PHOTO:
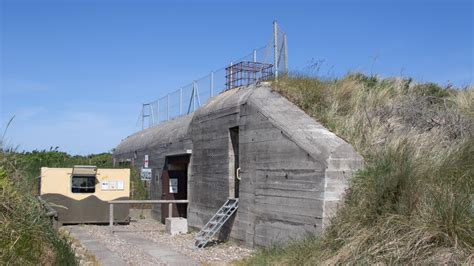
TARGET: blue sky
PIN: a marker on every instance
(75, 72)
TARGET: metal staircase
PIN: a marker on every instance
(216, 222)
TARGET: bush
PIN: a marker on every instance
(412, 202)
(26, 236)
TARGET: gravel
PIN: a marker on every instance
(153, 230)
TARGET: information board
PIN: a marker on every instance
(173, 185)
(145, 174)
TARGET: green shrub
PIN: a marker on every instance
(413, 200)
(26, 236)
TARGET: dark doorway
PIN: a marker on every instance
(174, 180)
(234, 181)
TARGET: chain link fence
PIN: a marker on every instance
(190, 97)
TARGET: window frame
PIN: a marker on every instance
(83, 190)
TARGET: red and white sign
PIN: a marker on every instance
(145, 162)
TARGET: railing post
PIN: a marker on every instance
(170, 210)
(111, 214)
(180, 101)
(212, 83)
(275, 49)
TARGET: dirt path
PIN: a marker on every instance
(144, 242)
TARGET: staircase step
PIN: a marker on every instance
(216, 223)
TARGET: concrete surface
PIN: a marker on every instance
(293, 170)
(176, 226)
(93, 245)
(105, 256)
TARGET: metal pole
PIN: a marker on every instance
(143, 116)
(158, 111)
(111, 214)
(231, 81)
(170, 210)
(194, 95)
(152, 118)
(285, 53)
(275, 49)
(254, 65)
(168, 106)
(197, 96)
(212, 83)
(180, 101)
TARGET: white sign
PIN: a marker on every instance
(120, 185)
(145, 162)
(145, 174)
(173, 185)
(104, 185)
(112, 185)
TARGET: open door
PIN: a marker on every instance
(234, 163)
(175, 186)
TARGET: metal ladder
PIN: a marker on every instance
(216, 222)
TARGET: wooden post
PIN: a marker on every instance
(170, 210)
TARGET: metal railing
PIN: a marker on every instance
(169, 202)
(188, 98)
(49, 212)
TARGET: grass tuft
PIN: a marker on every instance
(413, 201)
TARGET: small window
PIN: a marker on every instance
(83, 184)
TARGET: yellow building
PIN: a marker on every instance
(81, 193)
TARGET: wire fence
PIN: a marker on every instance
(190, 97)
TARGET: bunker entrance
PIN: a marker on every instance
(234, 165)
(174, 180)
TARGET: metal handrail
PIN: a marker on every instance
(51, 212)
(169, 202)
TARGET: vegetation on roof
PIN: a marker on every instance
(413, 200)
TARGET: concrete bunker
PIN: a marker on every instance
(288, 171)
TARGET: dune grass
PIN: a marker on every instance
(26, 235)
(413, 201)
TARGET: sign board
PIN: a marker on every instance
(145, 174)
(111, 185)
(173, 185)
(145, 162)
(104, 185)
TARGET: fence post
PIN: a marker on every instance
(194, 95)
(212, 83)
(170, 210)
(152, 117)
(180, 101)
(158, 111)
(285, 53)
(254, 66)
(143, 116)
(275, 49)
(231, 80)
(111, 214)
(168, 107)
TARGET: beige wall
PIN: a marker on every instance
(58, 181)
